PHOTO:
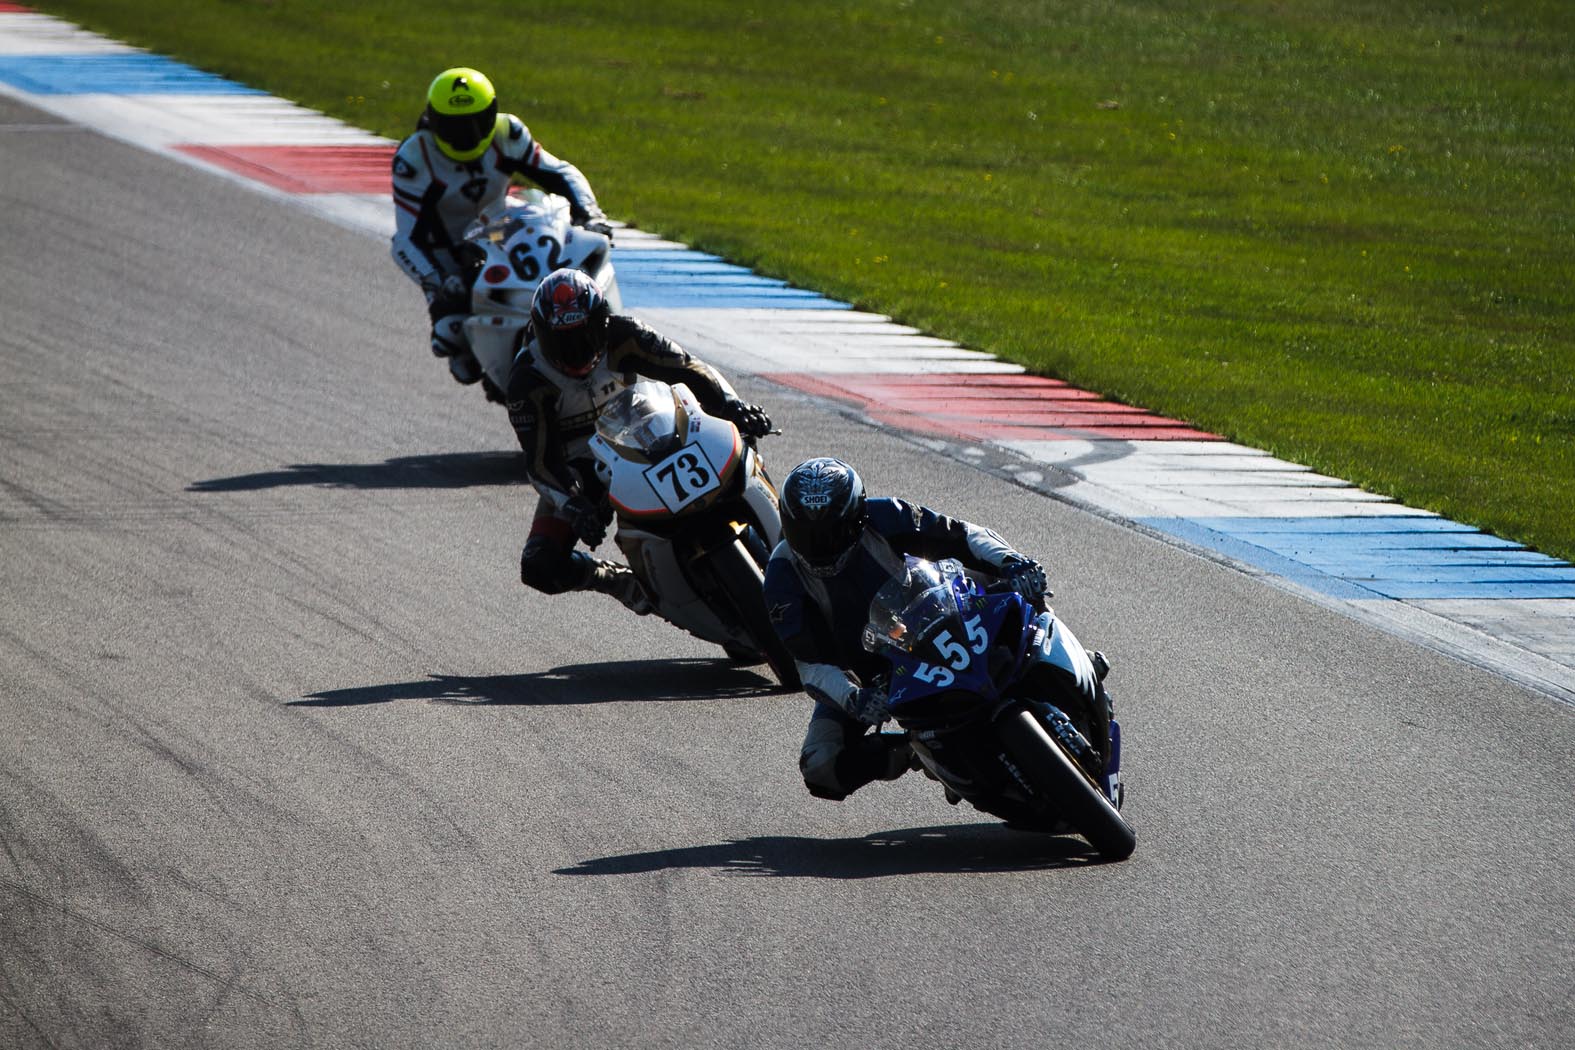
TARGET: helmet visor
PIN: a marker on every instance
(822, 544)
(572, 351)
(463, 132)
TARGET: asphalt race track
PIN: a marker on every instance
(288, 757)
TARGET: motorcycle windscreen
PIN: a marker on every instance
(639, 417)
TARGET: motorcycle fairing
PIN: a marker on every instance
(942, 663)
(514, 249)
(659, 454)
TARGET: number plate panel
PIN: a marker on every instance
(682, 478)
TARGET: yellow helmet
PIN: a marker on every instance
(462, 113)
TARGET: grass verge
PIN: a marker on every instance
(1339, 232)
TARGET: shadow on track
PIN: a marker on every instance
(447, 470)
(579, 684)
(949, 848)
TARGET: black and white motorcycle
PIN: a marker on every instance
(696, 516)
(511, 252)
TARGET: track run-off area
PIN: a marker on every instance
(289, 757)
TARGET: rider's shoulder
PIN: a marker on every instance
(889, 513)
(625, 333)
(526, 375)
(410, 157)
(514, 137)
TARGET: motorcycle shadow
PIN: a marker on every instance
(448, 470)
(944, 849)
(600, 683)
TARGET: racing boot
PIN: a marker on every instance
(609, 577)
(881, 756)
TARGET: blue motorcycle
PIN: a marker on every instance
(1004, 707)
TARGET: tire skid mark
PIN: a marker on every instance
(230, 982)
(85, 861)
(130, 723)
(10, 998)
(288, 560)
(394, 773)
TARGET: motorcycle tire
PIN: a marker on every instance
(1054, 774)
(742, 585)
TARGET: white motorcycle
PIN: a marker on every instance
(514, 250)
(696, 517)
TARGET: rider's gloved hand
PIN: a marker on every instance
(868, 704)
(445, 295)
(1027, 577)
(751, 420)
(601, 226)
(587, 521)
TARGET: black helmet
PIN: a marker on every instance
(823, 513)
(569, 316)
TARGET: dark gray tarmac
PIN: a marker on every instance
(288, 757)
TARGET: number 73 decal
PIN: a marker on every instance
(682, 478)
(957, 656)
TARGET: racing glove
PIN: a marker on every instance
(445, 295)
(1027, 577)
(587, 520)
(751, 420)
(868, 704)
(601, 226)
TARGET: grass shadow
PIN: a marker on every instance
(599, 683)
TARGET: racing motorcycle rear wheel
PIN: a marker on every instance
(1041, 766)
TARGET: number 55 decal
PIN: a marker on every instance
(954, 654)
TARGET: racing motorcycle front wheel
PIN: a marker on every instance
(739, 579)
(1045, 769)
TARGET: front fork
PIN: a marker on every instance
(1088, 669)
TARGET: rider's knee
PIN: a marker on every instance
(824, 744)
(549, 567)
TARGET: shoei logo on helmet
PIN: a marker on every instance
(815, 491)
(462, 101)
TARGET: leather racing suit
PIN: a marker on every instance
(436, 198)
(554, 417)
(821, 621)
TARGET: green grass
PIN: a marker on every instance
(1341, 231)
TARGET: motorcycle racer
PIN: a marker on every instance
(459, 163)
(838, 549)
(576, 355)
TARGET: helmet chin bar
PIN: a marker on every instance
(831, 568)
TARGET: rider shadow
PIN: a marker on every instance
(945, 849)
(446, 470)
(630, 680)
